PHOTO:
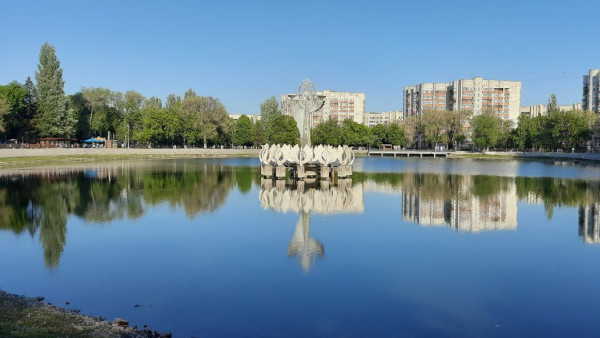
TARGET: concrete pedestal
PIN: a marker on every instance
(324, 173)
(280, 185)
(266, 170)
(280, 172)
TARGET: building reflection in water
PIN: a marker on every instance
(460, 205)
(589, 219)
(320, 198)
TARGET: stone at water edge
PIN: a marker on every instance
(121, 322)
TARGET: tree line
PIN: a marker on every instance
(31, 110)
(42, 109)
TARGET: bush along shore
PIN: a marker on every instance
(22, 316)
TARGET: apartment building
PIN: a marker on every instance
(501, 98)
(338, 106)
(253, 118)
(373, 119)
(535, 110)
(591, 91)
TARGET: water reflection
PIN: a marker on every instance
(39, 202)
(42, 200)
(469, 203)
(305, 199)
(589, 219)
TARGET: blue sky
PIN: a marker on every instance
(246, 51)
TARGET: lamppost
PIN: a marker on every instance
(127, 135)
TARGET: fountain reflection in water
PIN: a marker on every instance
(303, 198)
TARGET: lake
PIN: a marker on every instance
(408, 247)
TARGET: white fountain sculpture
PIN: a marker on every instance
(305, 160)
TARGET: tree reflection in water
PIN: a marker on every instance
(40, 201)
(44, 199)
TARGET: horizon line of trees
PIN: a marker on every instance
(42, 109)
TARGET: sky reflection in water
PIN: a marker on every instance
(408, 247)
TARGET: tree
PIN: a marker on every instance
(4, 109)
(244, 131)
(525, 133)
(31, 108)
(435, 124)
(14, 120)
(355, 134)
(259, 134)
(327, 133)
(204, 118)
(379, 133)
(552, 105)
(269, 111)
(570, 129)
(96, 99)
(53, 118)
(409, 128)
(286, 132)
(394, 135)
(486, 129)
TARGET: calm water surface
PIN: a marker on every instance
(413, 247)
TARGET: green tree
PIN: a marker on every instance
(355, 134)
(570, 129)
(97, 99)
(286, 131)
(525, 133)
(552, 104)
(244, 131)
(269, 111)
(435, 124)
(379, 133)
(4, 109)
(394, 135)
(204, 118)
(260, 137)
(15, 120)
(53, 117)
(327, 133)
(486, 129)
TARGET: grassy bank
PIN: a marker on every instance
(83, 158)
(540, 157)
(31, 317)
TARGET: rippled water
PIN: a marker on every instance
(408, 247)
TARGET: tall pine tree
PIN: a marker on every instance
(53, 119)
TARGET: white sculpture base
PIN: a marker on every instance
(321, 162)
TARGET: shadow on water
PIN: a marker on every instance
(39, 202)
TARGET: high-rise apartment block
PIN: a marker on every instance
(500, 98)
(591, 91)
(338, 106)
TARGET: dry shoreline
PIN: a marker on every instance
(31, 317)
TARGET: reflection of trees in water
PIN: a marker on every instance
(44, 202)
(56, 200)
(557, 192)
(197, 191)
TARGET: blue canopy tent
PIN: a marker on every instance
(93, 140)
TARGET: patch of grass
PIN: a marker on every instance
(44, 160)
